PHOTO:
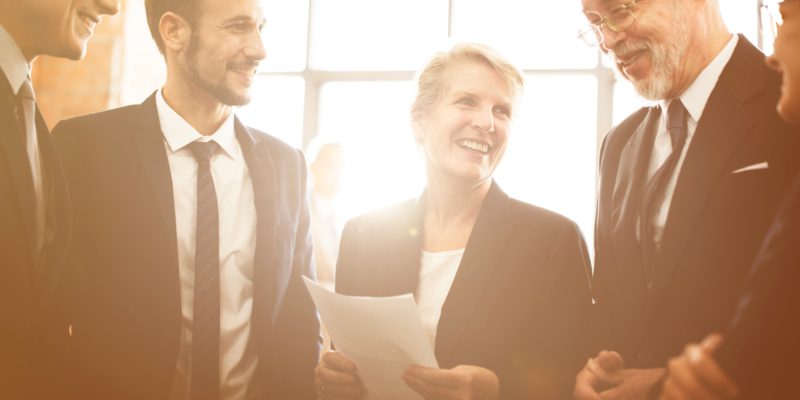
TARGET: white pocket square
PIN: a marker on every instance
(753, 167)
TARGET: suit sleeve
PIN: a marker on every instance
(560, 351)
(297, 327)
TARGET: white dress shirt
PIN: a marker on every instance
(237, 243)
(694, 99)
(436, 275)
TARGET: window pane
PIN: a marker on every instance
(626, 100)
(551, 159)
(376, 34)
(276, 108)
(285, 35)
(372, 119)
(741, 16)
(533, 34)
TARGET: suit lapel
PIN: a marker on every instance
(724, 124)
(633, 163)
(149, 139)
(13, 146)
(479, 265)
(262, 174)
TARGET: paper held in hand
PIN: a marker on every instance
(382, 335)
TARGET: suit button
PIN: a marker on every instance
(644, 356)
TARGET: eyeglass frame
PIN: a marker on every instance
(597, 27)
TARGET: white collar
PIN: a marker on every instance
(180, 133)
(695, 97)
(12, 61)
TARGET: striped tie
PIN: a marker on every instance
(654, 192)
(205, 325)
(28, 101)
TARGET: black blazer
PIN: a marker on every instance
(520, 299)
(126, 293)
(761, 346)
(28, 328)
(716, 221)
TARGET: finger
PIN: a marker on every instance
(709, 373)
(711, 343)
(426, 389)
(610, 361)
(337, 361)
(684, 383)
(331, 377)
(447, 378)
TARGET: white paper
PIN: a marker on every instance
(382, 335)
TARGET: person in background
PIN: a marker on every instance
(502, 287)
(327, 170)
(326, 166)
(192, 230)
(687, 187)
(35, 213)
(758, 357)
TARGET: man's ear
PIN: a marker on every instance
(175, 31)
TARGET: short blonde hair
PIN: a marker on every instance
(432, 79)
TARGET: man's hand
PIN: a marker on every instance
(466, 382)
(599, 374)
(605, 378)
(336, 378)
(695, 375)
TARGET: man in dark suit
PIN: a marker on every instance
(191, 230)
(34, 203)
(758, 357)
(687, 187)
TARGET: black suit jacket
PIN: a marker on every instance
(716, 221)
(126, 292)
(520, 300)
(26, 296)
(761, 347)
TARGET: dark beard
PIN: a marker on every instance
(219, 90)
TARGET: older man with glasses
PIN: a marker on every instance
(758, 358)
(688, 186)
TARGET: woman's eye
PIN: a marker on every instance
(503, 111)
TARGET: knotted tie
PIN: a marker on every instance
(654, 192)
(28, 102)
(205, 325)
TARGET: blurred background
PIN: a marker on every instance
(342, 71)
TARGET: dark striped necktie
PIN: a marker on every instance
(205, 315)
(677, 126)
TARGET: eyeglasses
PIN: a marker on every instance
(618, 19)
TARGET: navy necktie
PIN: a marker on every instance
(205, 315)
(654, 192)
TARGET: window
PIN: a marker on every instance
(345, 69)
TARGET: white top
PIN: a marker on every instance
(237, 243)
(694, 99)
(435, 279)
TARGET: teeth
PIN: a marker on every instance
(483, 148)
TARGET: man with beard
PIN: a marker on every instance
(192, 230)
(687, 187)
(35, 215)
(758, 357)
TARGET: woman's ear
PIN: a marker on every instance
(175, 31)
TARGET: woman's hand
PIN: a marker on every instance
(336, 378)
(466, 382)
